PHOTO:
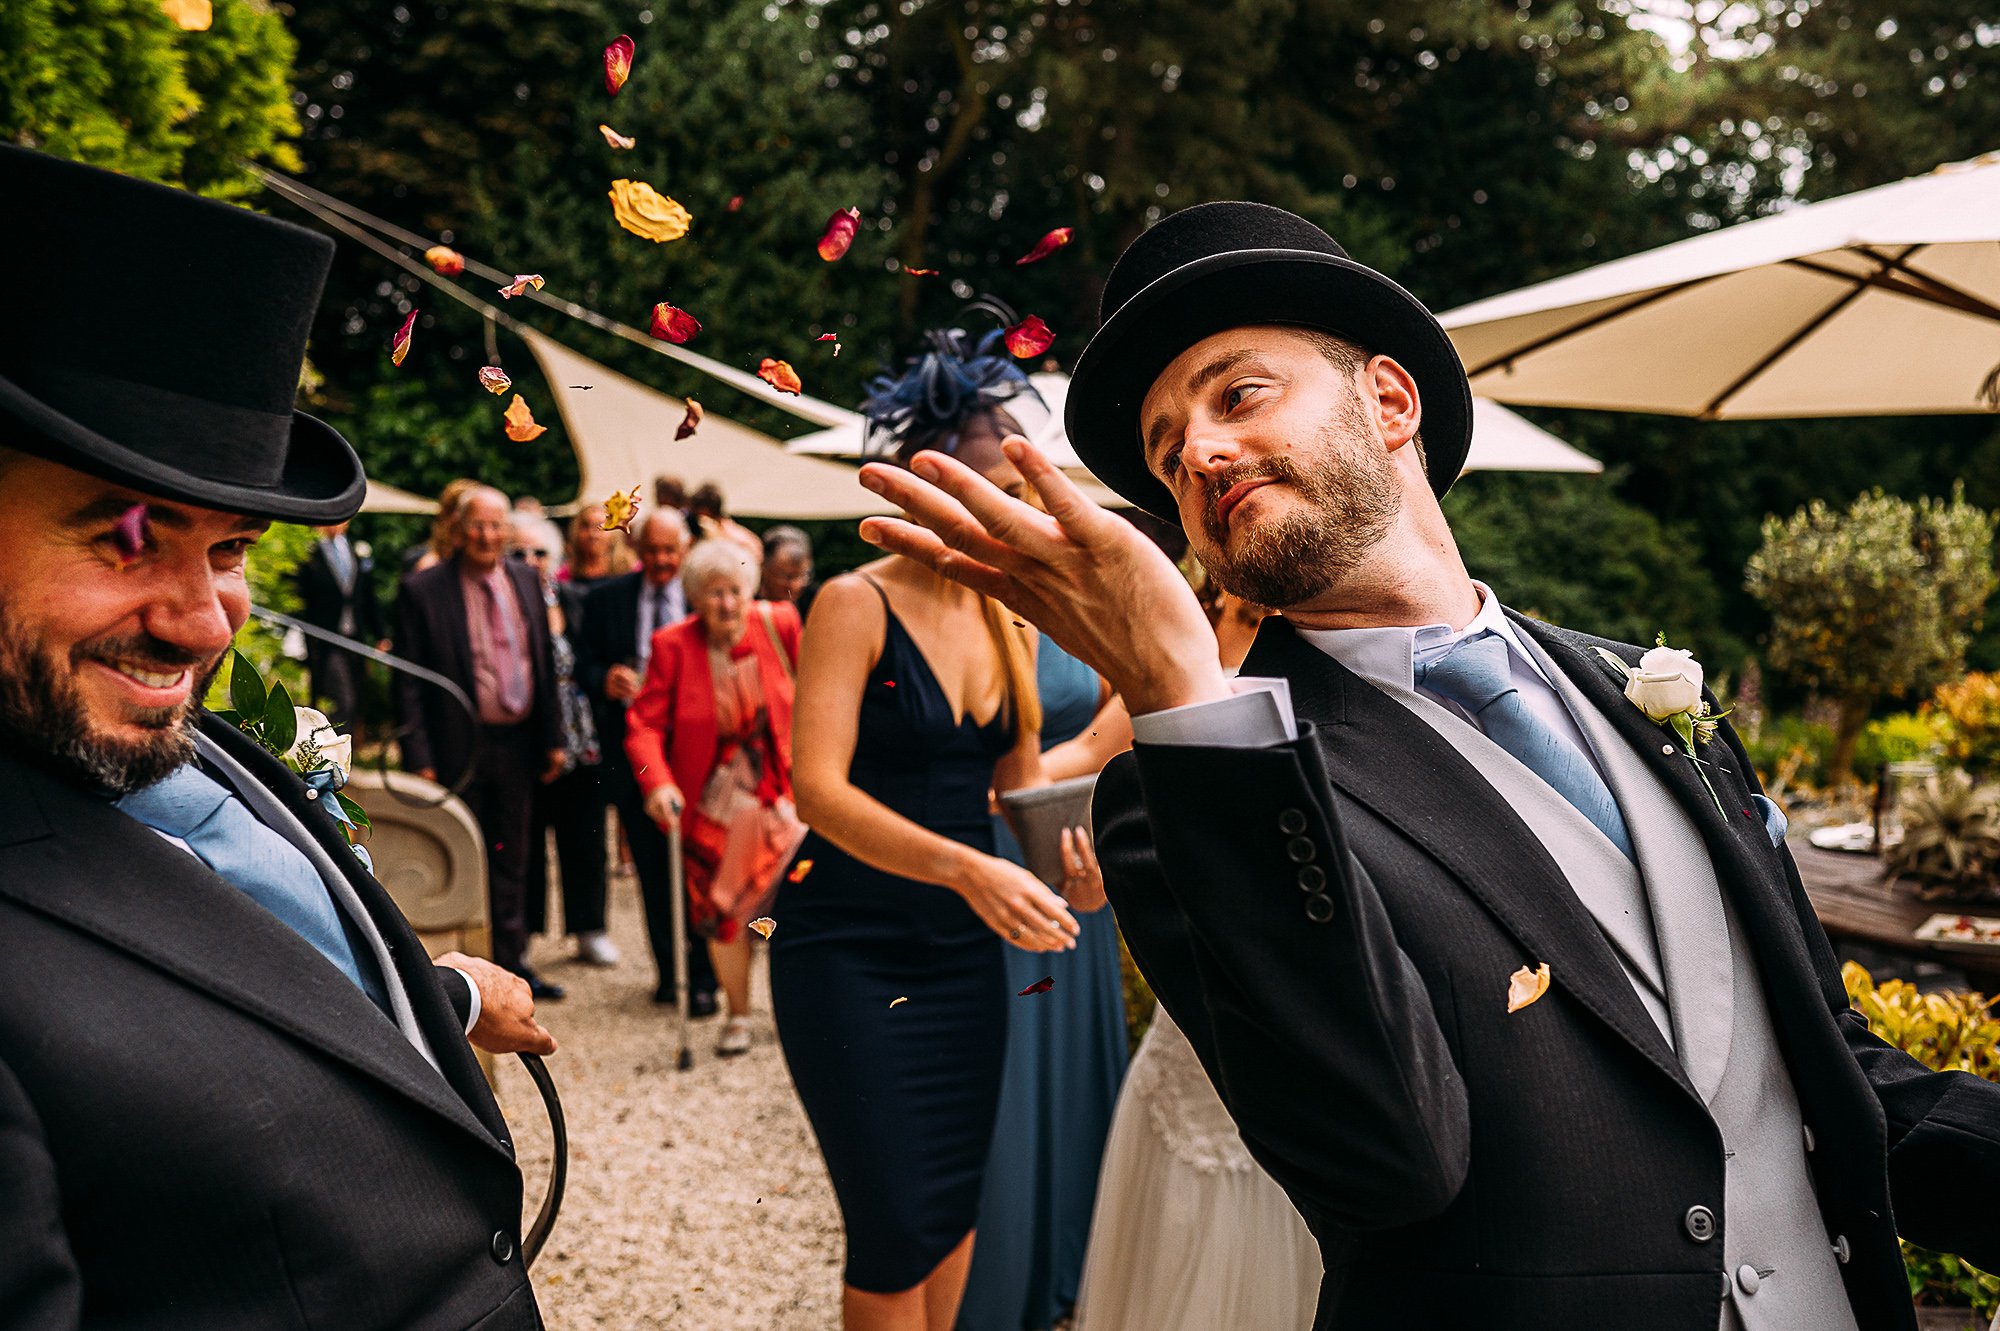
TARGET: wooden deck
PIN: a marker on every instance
(1855, 905)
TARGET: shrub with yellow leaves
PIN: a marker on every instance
(1967, 714)
(1950, 1033)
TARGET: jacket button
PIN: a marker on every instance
(1312, 878)
(502, 1247)
(1747, 1278)
(1841, 1250)
(1301, 850)
(1319, 908)
(1291, 822)
(1699, 1223)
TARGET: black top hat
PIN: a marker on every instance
(1227, 265)
(154, 338)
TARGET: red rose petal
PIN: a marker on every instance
(840, 229)
(618, 63)
(1041, 986)
(1046, 246)
(399, 345)
(673, 324)
(780, 375)
(799, 871)
(735, 204)
(920, 272)
(690, 422)
(130, 533)
(494, 379)
(444, 260)
(1030, 337)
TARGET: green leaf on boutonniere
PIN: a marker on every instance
(355, 812)
(229, 717)
(281, 722)
(246, 687)
(1683, 725)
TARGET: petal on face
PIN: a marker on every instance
(1046, 246)
(1041, 986)
(399, 345)
(799, 871)
(673, 324)
(1030, 337)
(521, 425)
(690, 422)
(522, 283)
(839, 234)
(444, 260)
(618, 64)
(130, 533)
(494, 379)
(780, 375)
(620, 509)
(644, 211)
(615, 139)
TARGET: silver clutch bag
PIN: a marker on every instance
(1039, 814)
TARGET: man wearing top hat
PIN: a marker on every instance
(234, 1092)
(1485, 933)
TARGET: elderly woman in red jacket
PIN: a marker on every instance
(710, 740)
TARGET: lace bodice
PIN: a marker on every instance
(1181, 1106)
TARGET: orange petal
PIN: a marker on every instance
(764, 925)
(799, 871)
(399, 345)
(780, 375)
(1030, 337)
(646, 212)
(522, 283)
(1046, 246)
(1526, 986)
(894, 1001)
(614, 138)
(521, 425)
(840, 229)
(673, 324)
(690, 422)
(618, 63)
(920, 272)
(190, 15)
(620, 509)
(494, 379)
(444, 260)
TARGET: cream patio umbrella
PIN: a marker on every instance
(1882, 302)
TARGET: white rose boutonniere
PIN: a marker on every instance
(302, 739)
(318, 744)
(1666, 686)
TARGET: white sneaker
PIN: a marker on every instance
(735, 1037)
(596, 949)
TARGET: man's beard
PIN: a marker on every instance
(1350, 501)
(44, 718)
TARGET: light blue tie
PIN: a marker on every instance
(271, 871)
(1477, 675)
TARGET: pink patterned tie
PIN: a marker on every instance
(511, 670)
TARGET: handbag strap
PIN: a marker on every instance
(771, 629)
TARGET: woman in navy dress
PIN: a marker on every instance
(915, 697)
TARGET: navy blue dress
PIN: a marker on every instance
(1066, 1056)
(901, 1098)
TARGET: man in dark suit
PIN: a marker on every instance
(234, 1093)
(1483, 929)
(620, 617)
(477, 618)
(337, 593)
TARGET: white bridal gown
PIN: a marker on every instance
(1189, 1233)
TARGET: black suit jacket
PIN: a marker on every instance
(430, 630)
(609, 636)
(205, 1125)
(321, 598)
(1332, 921)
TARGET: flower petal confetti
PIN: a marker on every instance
(780, 375)
(1041, 986)
(619, 511)
(1525, 986)
(830, 337)
(1046, 246)
(615, 139)
(894, 1001)
(764, 926)
(673, 324)
(690, 422)
(494, 379)
(735, 204)
(1030, 337)
(129, 533)
(618, 63)
(920, 272)
(399, 345)
(644, 211)
(521, 425)
(190, 15)
(799, 871)
(444, 260)
(840, 229)
(522, 284)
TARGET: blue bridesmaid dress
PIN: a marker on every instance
(1066, 1054)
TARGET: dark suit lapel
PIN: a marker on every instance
(1399, 768)
(454, 638)
(434, 1013)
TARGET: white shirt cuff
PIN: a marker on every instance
(1258, 716)
(471, 1013)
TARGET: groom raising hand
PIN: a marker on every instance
(1524, 1007)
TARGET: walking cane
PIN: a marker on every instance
(678, 886)
(538, 1233)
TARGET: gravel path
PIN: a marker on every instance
(696, 1199)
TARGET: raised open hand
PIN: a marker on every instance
(1089, 580)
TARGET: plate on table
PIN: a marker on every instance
(1858, 838)
(1965, 933)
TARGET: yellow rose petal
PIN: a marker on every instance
(764, 925)
(644, 211)
(1525, 986)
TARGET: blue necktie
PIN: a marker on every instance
(271, 871)
(1477, 675)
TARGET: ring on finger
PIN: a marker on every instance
(1013, 933)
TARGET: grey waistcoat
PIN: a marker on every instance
(1676, 936)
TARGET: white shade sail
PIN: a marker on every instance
(389, 499)
(1882, 302)
(623, 433)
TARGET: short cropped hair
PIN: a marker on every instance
(716, 559)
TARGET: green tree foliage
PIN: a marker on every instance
(1878, 600)
(116, 84)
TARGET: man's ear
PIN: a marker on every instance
(1394, 399)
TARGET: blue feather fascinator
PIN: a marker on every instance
(958, 378)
